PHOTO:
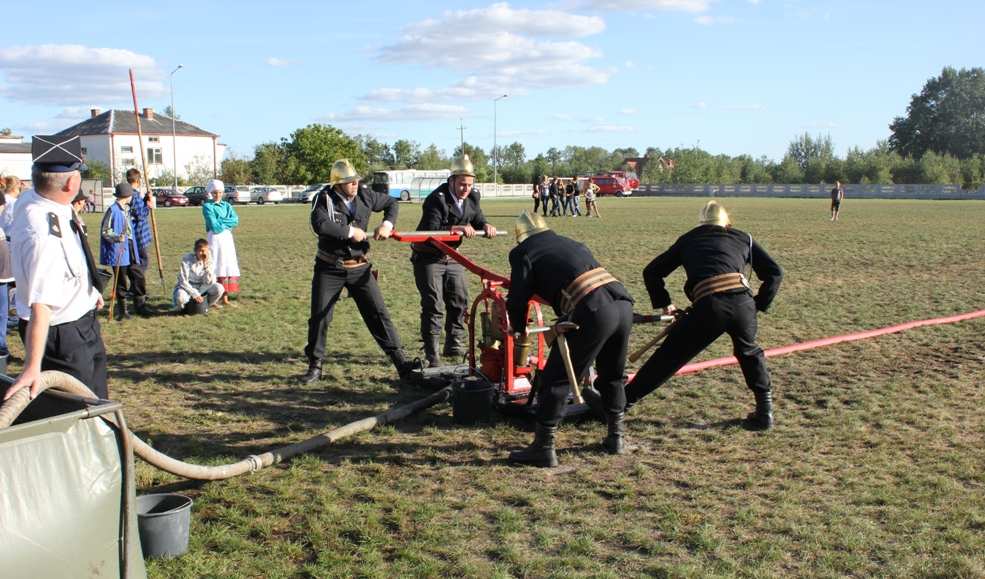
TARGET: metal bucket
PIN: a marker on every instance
(164, 521)
(472, 401)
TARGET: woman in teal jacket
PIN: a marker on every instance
(220, 219)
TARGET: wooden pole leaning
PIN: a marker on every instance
(146, 180)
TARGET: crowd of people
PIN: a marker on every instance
(562, 195)
(59, 289)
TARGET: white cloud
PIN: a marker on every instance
(411, 112)
(276, 62)
(705, 20)
(629, 64)
(647, 5)
(750, 108)
(562, 117)
(629, 111)
(504, 49)
(700, 105)
(73, 74)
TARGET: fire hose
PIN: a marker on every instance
(65, 383)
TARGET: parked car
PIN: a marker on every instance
(169, 198)
(612, 185)
(308, 194)
(237, 194)
(263, 195)
(195, 195)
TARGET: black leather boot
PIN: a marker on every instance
(122, 312)
(312, 375)
(762, 418)
(403, 365)
(540, 453)
(593, 399)
(454, 348)
(431, 351)
(614, 443)
(140, 306)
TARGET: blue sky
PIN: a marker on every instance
(732, 76)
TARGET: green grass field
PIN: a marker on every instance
(875, 467)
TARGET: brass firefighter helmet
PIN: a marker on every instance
(714, 214)
(528, 225)
(462, 166)
(342, 172)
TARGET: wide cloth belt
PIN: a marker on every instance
(583, 285)
(346, 263)
(717, 284)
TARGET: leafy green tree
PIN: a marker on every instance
(788, 171)
(169, 112)
(948, 116)
(405, 154)
(973, 172)
(432, 158)
(268, 163)
(377, 153)
(235, 171)
(939, 169)
(311, 151)
(553, 157)
(199, 170)
(812, 155)
(97, 170)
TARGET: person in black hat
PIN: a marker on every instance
(118, 248)
(58, 291)
(440, 280)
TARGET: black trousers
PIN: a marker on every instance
(77, 349)
(137, 274)
(326, 287)
(603, 338)
(733, 314)
(442, 286)
(122, 282)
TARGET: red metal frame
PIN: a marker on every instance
(493, 301)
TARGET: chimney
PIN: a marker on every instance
(149, 114)
(94, 113)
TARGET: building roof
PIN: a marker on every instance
(116, 122)
(15, 148)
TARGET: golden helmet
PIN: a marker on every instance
(462, 166)
(714, 214)
(342, 172)
(528, 225)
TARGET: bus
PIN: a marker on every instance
(409, 184)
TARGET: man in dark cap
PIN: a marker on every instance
(118, 247)
(714, 255)
(565, 274)
(339, 217)
(440, 280)
(57, 286)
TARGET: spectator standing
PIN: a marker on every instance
(591, 199)
(544, 194)
(118, 248)
(220, 219)
(11, 191)
(141, 206)
(6, 277)
(837, 195)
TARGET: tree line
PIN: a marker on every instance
(940, 140)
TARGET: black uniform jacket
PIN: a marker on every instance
(439, 213)
(709, 250)
(543, 265)
(330, 220)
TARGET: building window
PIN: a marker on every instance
(154, 156)
(127, 163)
(154, 139)
(126, 150)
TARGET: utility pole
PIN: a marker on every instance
(174, 140)
(461, 134)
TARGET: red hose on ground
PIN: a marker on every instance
(730, 360)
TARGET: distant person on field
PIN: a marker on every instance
(575, 193)
(118, 249)
(220, 219)
(536, 194)
(141, 206)
(591, 199)
(545, 194)
(11, 191)
(6, 278)
(837, 194)
(197, 288)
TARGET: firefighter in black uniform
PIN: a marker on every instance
(564, 273)
(440, 280)
(339, 216)
(714, 255)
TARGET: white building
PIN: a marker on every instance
(15, 157)
(111, 138)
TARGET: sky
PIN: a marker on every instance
(729, 76)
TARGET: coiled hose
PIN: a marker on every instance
(69, 384)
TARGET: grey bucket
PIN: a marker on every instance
(164, 521)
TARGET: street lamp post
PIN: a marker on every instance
(174, 140)
(495, 150)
